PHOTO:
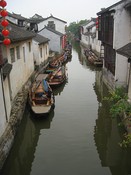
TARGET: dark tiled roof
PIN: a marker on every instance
(17, 33)
(54, 31)
(34, 20)
(125, 50)
(37, 16)
(16, 16)
(51, 16)
(41, 39)
(40, 19)
(89, 27)
(107, 9)
(92, 19)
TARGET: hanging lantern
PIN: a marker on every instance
(97, 22)
(3, 3)
(3, 13)
(5, 32)
(6, 41)
(4, 23)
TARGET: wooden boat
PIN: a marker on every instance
(57, 77)
(58, 61)
(54, 64)
(41, 98)
(93, 58)
(96, 61)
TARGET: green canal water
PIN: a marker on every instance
(79, 137)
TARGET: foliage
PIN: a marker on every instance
(126, 141)
(120, 107)
(116, 95)
(74, 28)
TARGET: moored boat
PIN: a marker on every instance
(41, 98)
(57, 77)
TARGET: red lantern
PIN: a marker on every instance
(5, 32)
(6, 41)
(4, 13)
(3, 3)
(4, 23)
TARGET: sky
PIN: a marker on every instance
(67, 10)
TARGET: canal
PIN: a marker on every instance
(78, 138)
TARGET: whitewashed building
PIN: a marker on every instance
(55, 37)
(115, 34)
(40, 50)
(53, 23)
(17, 65)
(89, 36)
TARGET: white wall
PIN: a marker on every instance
(55, 40)
(122, 26)
(59, 25)
(22, 69)
(87, 40)
(36, 52)
(121, 72)
(122, 36)
(45, 52)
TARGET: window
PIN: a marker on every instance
(41, 52)
(20, 23)
(18, 52)
(51, 25)
(46, 49)
(12, 55)
(24, 53)
(29, 47)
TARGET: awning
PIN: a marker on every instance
(125, 50)
(128, 5)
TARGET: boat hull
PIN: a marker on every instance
(42, 110)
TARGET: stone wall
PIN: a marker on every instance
(7, 139)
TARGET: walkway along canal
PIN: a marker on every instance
(78, 138)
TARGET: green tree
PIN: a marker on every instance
(74, 28)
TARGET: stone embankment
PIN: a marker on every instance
(7, 139)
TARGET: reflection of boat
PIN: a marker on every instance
(59, 90)
(26, 143)
(57, 77)
(41, 98)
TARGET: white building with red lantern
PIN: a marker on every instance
(115, 34)
(52, 28)
(89, 35)
(53, 23)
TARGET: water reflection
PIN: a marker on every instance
(59, 90)
(82, 139)
(107, 136)
(83, 59)
(23, 152)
